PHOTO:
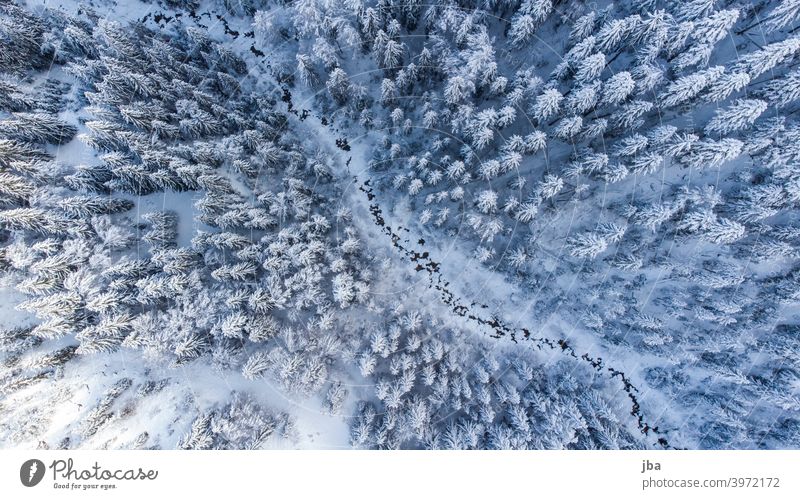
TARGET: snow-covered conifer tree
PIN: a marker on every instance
(740, 115)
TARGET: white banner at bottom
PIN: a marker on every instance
(121, 474)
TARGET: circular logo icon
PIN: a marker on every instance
(31, 472)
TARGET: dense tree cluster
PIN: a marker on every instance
(437, 390)
(264, 272)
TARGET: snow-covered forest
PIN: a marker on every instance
(400, 224)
